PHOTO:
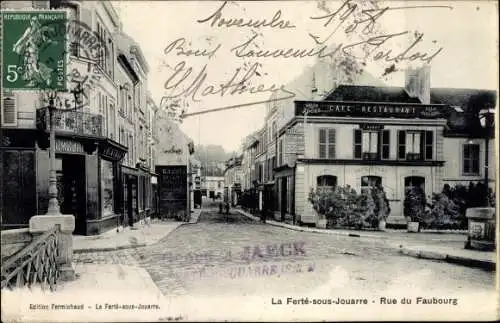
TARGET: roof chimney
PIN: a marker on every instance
(418, 83)
(314, 89)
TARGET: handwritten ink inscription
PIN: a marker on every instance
(350, 31)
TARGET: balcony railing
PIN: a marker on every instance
(35, 264)
(413, 156)
(370, 156)
(77, 122)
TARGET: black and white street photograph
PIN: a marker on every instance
(259, 161)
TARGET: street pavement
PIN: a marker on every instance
(232, 255)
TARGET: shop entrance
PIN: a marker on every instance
(129, 199)
(70, 170)
(283, 199)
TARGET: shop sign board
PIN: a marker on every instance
(370, 110)
(172, 188)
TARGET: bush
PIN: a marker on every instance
(445, 213)
(343, 207)
(414, 204)
(447, 209)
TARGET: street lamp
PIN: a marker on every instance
(487, 119)
(53, 208)
(54, 101)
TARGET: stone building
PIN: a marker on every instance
(370, 134)
(232, 180)
(174, 168)
(95, 142)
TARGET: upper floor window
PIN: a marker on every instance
(327, 143)
(72, 16)
(415, 144)
(369, 144)
(106, 60)
(470, 164)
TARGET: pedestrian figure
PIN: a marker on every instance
(227, 208)
(263, 215)
(220, 208)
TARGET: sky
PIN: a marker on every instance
(465, 30)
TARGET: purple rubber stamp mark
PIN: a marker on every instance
(273, 250)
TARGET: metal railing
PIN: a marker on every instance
(82, 123)
(35, 264)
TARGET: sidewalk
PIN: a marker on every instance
(435, 246)
(142, 235)
(101, 291)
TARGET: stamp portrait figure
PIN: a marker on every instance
(35, 50)
(34, 36)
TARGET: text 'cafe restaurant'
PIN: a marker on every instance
(361, 144)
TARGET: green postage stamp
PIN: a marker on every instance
(34, 50)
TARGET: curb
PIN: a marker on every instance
(138, 245)
(423, 254)
(295, 228)
(457, 260)
(98, 249)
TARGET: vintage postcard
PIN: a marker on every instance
(295, 160)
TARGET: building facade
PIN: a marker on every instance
(98, 138)
(233, 175)
(214, 186)
(134, 129)
(174, 167)
(364, 136)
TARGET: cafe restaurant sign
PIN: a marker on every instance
(369, 110)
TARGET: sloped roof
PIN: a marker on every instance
(463, 119)
(466, 99)
(365, 93)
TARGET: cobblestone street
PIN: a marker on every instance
(231, 254)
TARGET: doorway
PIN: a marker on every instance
(283, 198)
(129, 199)
(70, 171)
(414, 181)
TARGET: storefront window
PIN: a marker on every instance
(141, 193)
(326, 182)
(107, 191)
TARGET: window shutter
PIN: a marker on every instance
(401, 144)
(357, 143)
(385, 144)
(322, 143)
(429, 143)
(422, 144)
(331, 143)
(9, 111)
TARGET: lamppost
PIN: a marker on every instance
(52, 98)
(487, 119)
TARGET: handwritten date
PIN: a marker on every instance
(218, 20)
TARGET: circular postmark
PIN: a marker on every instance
(82, 41)
(44, 48)
(88, 48)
